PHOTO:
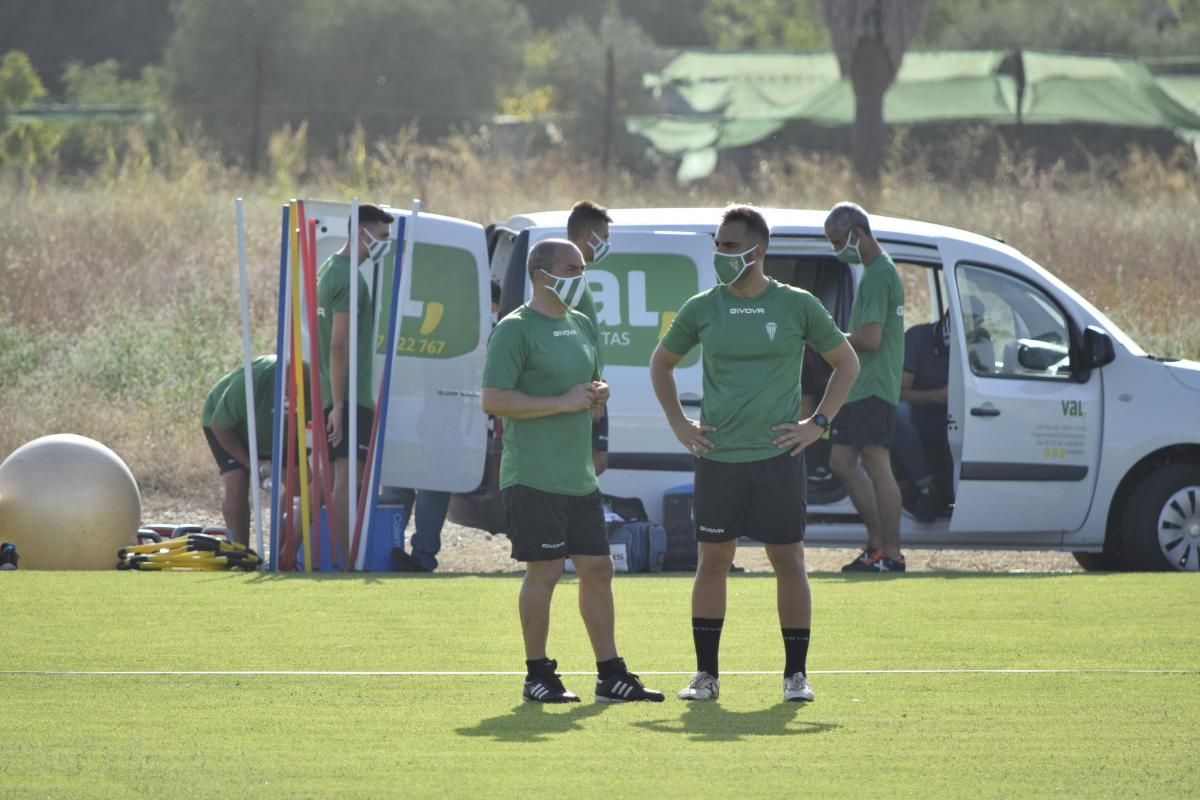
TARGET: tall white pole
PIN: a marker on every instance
(352, 378)
(247, 357)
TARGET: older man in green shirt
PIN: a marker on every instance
(542, 374)
(864, 428)
(749, 442)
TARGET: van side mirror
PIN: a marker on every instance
(1098, 348)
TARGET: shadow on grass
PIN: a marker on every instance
(710, 722)
(535, 722)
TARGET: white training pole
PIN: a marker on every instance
(410, 230)
(352, 379)
(247, 357)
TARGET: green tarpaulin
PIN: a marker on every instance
(724, 100)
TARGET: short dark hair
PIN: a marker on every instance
(584, 215)
(369, 214)
(752, 218)
(846, 215)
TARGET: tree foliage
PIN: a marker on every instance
(240, 66)
(765, 24)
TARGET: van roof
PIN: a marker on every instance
(783, 222)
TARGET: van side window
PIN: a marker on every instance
(1012, 328)
(823, 276)
(500, 243)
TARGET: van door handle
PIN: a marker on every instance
(985, 411)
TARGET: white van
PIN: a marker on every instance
(1067, 437)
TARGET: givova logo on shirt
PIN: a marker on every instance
(440, 317)
(637, 296)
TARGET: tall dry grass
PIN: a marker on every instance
(118, 291)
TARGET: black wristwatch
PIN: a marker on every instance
(821, 421)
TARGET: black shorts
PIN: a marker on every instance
(225, 462)
(366, 418)
(600, 432)
(544, 526)
(764, 500)
(870, 422)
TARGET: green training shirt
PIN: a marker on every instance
(753, 351)
(880, 298)
(545, 356)
(333, 297)
(225, 405)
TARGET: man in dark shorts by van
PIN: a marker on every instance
(864, 428)
(542, 374)
(750, 440)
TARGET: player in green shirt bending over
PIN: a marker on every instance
(542, 375)
(866, 424)
(226, 428)
(750, 440)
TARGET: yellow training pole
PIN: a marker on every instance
(298, 364)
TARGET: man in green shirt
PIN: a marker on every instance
(750, 439)
(542, 375)
(864, 429)
(333, 330)
(226, 428)
(587, 228)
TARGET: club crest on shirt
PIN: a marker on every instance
(771, 328)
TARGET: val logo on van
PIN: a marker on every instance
(1073, 408)
(637, 296)
(440, 316)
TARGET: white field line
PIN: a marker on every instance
(484, 674)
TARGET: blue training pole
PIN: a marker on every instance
(280, 418)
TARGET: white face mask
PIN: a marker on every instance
(600, 247)
(568, 290)
(731, 267)
(850, 254)
(375, 247)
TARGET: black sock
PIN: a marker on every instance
(795, 650)
(607, 669)
(706, 635)
(537, 667)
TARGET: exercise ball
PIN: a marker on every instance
(67, 502)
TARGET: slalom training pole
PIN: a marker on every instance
(368, 496)
(279, 422)
(251, 422)
(405, 239)
(298, 377)
(352, 376)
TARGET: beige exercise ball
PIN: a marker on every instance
(67, 502)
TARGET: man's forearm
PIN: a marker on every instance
(339, 368)
(513, 404)
(662, 379)
(232, 445)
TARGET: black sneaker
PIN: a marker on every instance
(403, 562)
(548, 688)
(866, 561)
(893, 564)
(625, 687)
(8, 556)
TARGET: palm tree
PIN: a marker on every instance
(870, 37)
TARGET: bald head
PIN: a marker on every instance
(555, 256)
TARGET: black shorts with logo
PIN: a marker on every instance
(600, 432)
(869, 422)
(225, 462)
(764, 500)
(366, 418)
(544, 526)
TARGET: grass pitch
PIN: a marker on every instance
(927, 686)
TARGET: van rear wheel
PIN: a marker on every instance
(1097, 562)
(1160, 527)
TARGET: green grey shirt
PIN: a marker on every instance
(880, 298)
(225, 404)
(333, 297)
(753, 352)
(545, 356)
